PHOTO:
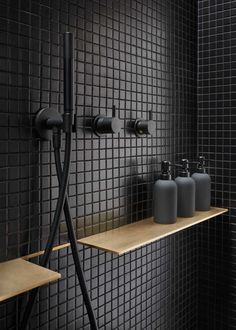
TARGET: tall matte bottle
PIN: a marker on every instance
(203, 186)
(165, 196)
(186, 191)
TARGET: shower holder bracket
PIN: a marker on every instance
(45, 120)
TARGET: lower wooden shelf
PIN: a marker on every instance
(18, 276)
(140, 233)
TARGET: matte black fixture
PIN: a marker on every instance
(144, 127)
(45, 120)
(49, 124)
(48, 118)
(106, 125)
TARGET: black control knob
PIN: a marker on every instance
(107, 125)
(144, 127)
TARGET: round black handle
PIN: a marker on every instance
(107, 125)
(145, 127)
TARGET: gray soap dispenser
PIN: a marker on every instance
(203, 186)
(165, 196)
(186, 191)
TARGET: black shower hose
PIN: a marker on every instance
(73, 241)
(61, 202)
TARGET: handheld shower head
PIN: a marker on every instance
(68, 73)
(48, 118)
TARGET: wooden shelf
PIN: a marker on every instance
(137, 234)
(18, 276)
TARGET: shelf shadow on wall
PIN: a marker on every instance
(139, 194)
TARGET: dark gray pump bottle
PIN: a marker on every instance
(165, 196)
(186, 191)
(203, 186)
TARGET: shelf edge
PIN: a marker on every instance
(19, 263)
(84, 241)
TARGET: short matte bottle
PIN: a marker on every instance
(165, 196)
(186, 191)
(203, 186)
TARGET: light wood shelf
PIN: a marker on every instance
(18, 276)
(129, 237)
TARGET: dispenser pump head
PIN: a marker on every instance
(165, 170)
(184, 172)
(201, 164)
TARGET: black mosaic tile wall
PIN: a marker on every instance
(140, 56)
(216, 136)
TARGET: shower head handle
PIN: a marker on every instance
(68, 72)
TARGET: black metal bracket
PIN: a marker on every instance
(45, 120)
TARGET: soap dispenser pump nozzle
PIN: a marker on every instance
(184, 172)
(165, 170)
(201, 164)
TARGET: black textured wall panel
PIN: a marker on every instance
(217, 137)
(141, 57)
